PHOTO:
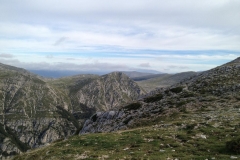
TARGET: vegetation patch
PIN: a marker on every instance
(154, 98)
(66, 115)
(133, 106)
(8, 132)
(186, 94)
(181, 103)
(234, 145)
(176, 89)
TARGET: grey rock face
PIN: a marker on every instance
(109, 91)
(215, 87)
(34, 112)
(124, 118)
(28, 113)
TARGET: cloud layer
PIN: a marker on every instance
(143, 33)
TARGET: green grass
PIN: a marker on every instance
(184, 136)
(153, 98)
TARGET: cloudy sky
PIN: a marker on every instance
(82, 35)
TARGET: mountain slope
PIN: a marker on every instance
(37, 111)
(193, 119)
(135, 74)
(106, 92)
(29, 116)
(195, 93)
(142, 78)
(163, 80)
(182, 136)
(99, 92)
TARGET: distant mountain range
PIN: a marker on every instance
(66, 73)
(135, 74)
(62, 73)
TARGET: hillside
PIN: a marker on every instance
(149, 83)
(146, 77)
(29, 116)
(135, 74)
(181, 136)
(99, 92)
(193, 119)
(209, 90)
(36, 111)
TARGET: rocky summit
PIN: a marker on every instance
(36, 111)
(108, 91)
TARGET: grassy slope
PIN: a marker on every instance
(65, 83)
(150, 84)
(164, 80)
(180, 136)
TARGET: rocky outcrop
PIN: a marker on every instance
(35, 112)
(107, 92)
(133, 114)
(28, 114)
(218, 87)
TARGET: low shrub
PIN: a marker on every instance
(133, 106)
(176, 89)
(154, 98)
(234, 145)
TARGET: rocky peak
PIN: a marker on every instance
(108, 91)
(8, 68)
(234, 62)
(116, 74)
(218, 87)
(34, 111)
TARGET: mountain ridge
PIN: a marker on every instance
(220, 81)
(36, 111)
(197, 118)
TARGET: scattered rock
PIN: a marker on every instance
(234, 157)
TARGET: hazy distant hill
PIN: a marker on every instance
(67, 73)
(146, 77)
(62, 73)
(150, 83)
(134, 74)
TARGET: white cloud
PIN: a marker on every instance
(6, 55)
(144, 65)
(43, 28)
(166, 63)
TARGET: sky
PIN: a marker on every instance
(167, 36)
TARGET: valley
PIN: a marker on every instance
(195, 116)
(119, 80)
(36, 111)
